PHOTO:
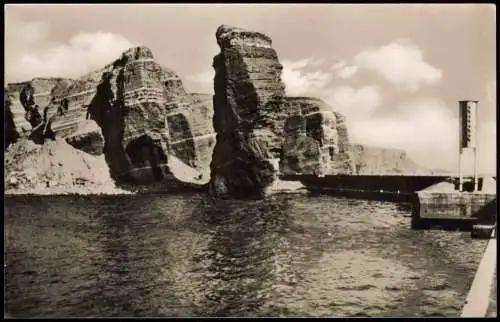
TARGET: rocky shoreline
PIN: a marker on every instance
(55, 168)
(277, 187)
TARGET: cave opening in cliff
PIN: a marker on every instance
(275, 152)
(145, 153)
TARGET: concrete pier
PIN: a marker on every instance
(467, 203)
(477, 302)
(444, 201)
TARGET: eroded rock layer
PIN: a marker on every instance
(138, 117)
(316, 139)
(248, 101)
(39, 91)
(301, 153)
(143, 112)
(10, 131)
(88, 138)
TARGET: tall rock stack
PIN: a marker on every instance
(248, 113)
(326, 149)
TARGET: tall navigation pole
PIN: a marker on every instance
(467, 138)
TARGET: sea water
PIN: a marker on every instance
(189, 255)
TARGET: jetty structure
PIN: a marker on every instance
(467, 197)
(464, 197)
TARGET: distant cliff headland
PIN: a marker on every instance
(132, 126)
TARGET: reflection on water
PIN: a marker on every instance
(188, 255)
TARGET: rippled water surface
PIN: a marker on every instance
(185, 255)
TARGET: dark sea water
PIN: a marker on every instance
(186, 255)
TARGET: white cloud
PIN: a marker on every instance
(447, 158)
(338, 65)
(303, 63)
(418, 124)
(30, 53)
(425, 128)
(491, 92)
(342, 70)
(305, 78)
(20, 34)
(204, 81)
(401, 63)
(299, 79)
(487, 147)
(348, 71)
(354, 103)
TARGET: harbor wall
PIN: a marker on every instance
(435, 200)
(374, 183)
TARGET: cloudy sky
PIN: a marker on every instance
(395, 71)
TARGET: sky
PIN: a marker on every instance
(395, 71)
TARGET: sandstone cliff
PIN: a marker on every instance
(87, 137)
(317, 142)
(137, 116)
(316, 139)
(375, 160)
(10, 131)
(248, 113)
(142, 117)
